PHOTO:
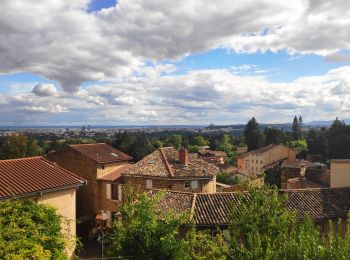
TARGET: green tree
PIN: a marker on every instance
(145, 232)
(122, 141)
(274, 136)
(175, 140)
(19, 146)
(199, 141)
(338, 139)
(296, 129)
(29, 230)
(140, 147)
(252, 135)
(300, 146)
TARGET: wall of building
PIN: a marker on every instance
(340, 174)
(170, 184)
(64, 202)
(108, 167)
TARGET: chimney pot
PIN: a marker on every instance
(183, 156)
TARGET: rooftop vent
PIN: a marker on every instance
(151, 162)
(115, 155)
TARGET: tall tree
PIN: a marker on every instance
(338, 138)
(296, 130)
(19, 146)
(274, 136)
(140, 147)
(253, 136)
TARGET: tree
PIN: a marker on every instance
(142, 234)
(175, 140)
(252, 135)
(317, 143)
(29, 230)
(274, 136)
(122, 141)
(199, 141)
(140, 147)
(19, 146)
(296, 129)
(338, 139)
(300, 146)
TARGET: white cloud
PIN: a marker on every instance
(198, 97)
(61, 41)
(44, 90)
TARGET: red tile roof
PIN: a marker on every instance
(115, 174)
(23, 177)
(164, 162)
(101, 152)
(213, 209)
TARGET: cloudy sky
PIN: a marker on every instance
(102, 62)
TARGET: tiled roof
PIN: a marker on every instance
(115, 174)
(164, 162)
(303, 183)
(212, 152)
(176, 201)
(265, 148)
(101, 152)
(20, 177)
(213, 208)
(296, 164)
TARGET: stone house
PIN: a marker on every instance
(45, 182)
(172, 169)
(93, 162)
(254, 163)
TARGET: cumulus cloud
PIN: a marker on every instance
(62, 41)
(44, 90)
(197, 97)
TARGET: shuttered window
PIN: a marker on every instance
(108, 191)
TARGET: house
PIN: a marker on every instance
(43, 181)
(172, 169)
(316, 175)
(212, 210)
(97, 163)
(211, 156)
(340, 173)
(255, 162)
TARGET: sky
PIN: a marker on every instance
(148, 62)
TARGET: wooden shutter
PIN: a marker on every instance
(120, 192)
(108, 191)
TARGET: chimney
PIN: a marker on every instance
(183, 156)
(302, 169)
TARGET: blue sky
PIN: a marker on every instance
(166, 62)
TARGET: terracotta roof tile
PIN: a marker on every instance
(34, 174)
(213, 209)
(101, 152)
(165, 162)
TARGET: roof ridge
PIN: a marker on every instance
(171, 173)
(193, 205)
(85, 144)
(24, 158)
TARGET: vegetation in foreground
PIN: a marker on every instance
(261, 228)
(29, 230)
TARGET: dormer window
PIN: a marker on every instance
(187, 184)
(102, 166)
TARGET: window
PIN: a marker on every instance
(260, 161)
(194, 184)
(149, 184)
(187, 184)
(114, 191)
(102, 166)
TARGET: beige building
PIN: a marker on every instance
(172, 169)
(255, 162)
(340, 173)
(38, 179)
(96, 163)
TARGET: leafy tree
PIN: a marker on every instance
(122, 141)
(338, 139)
(199, 141)
(300, 146)
(317, 142)
(141, 234)
(19, 146)
(175, 140)
(140, 147)
(273, 176)
(223, 177)
(29, 230)
(252, 135)
(274, 136)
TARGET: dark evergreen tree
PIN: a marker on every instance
(274, 136)
(253, 136)
(140, 147)
(338, 138)
(296, 130)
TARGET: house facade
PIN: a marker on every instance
(93, 162)
(172, 169)
(255, 162)
(45, 182)
(340, 173)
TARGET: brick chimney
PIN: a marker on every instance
(183, 156)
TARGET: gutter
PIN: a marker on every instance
(41, 192)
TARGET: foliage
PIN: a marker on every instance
(223, 177)
(200, 141)
(202, 245)
(19, 146)
(174, 140)
(30, 231)
(253, 137)
(140, 233)
(140, 147)
(260, 225)
(338, 137)
(274, 136)
(300, 146)
(317, 142)
(273, 176)
(297, 128)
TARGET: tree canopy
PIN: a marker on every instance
(253, 136)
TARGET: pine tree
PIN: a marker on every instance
(253, 137)
(296, 131)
